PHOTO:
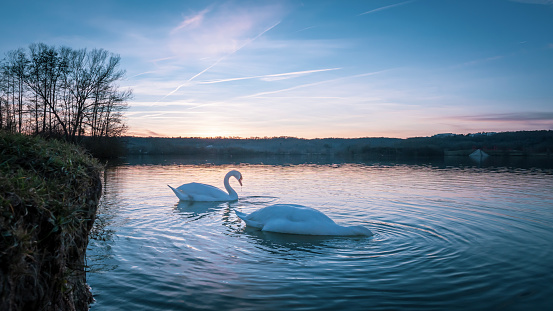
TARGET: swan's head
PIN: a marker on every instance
(360, 230)
(236, 174)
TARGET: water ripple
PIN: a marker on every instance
(444, 239)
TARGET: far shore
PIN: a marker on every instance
(521, 143)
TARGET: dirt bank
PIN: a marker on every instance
(49, 194)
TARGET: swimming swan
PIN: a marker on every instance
(297, 219)
(207, 193)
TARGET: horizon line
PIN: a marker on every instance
(303, 138)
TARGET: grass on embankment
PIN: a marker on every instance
(49, 193)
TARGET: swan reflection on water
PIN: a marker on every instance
(198, 210)
(279, 242)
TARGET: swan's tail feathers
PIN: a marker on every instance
(181, 195)
(249, 222)
(240, 215)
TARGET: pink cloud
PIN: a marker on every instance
(221, 29)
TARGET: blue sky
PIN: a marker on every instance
(313, 68)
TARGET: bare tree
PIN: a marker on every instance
(62, 92)
(42, 77)
(89, 80)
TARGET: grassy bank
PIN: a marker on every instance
(49, 193)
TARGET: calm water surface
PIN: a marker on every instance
(446, 237)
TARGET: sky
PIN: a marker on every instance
(312, 68)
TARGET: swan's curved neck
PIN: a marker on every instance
(233, 195)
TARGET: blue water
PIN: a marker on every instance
(446, 237)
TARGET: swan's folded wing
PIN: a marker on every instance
(203, 192)
(249, 222)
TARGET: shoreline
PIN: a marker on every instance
(49, 197)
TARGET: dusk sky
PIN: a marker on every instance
(312, 68)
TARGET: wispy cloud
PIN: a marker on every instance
(193, 21)
(510, 117)
(221, 29)
(386, 7)
(146, 133)
(219, 60)
(234, 51)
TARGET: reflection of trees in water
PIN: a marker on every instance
(102, 233)
(102, 229)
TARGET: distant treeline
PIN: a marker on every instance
(506, 143)
(61, 92)
(240, 146)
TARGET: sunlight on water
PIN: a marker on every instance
(444, 238)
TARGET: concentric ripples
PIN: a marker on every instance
(445, 239)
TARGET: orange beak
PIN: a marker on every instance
(240, 181)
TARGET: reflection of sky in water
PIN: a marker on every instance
(444, 237)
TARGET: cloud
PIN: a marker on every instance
(496, 122)
(386, 7)
(193, 21)
(219, 60)
(151, 133)
(221, 29)
(510, 117)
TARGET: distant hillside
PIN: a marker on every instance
(506, 143)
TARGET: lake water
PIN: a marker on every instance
(448, 235)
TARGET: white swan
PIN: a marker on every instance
(207, 193)
(298, 219)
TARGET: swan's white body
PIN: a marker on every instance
(207, 193)
(297, 219)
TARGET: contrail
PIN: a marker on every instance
(316, 83)
(294, 87)
(218, 61)
(276, 76)
(387, 7)
(139, 74)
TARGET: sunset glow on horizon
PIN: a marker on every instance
(313, 69)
